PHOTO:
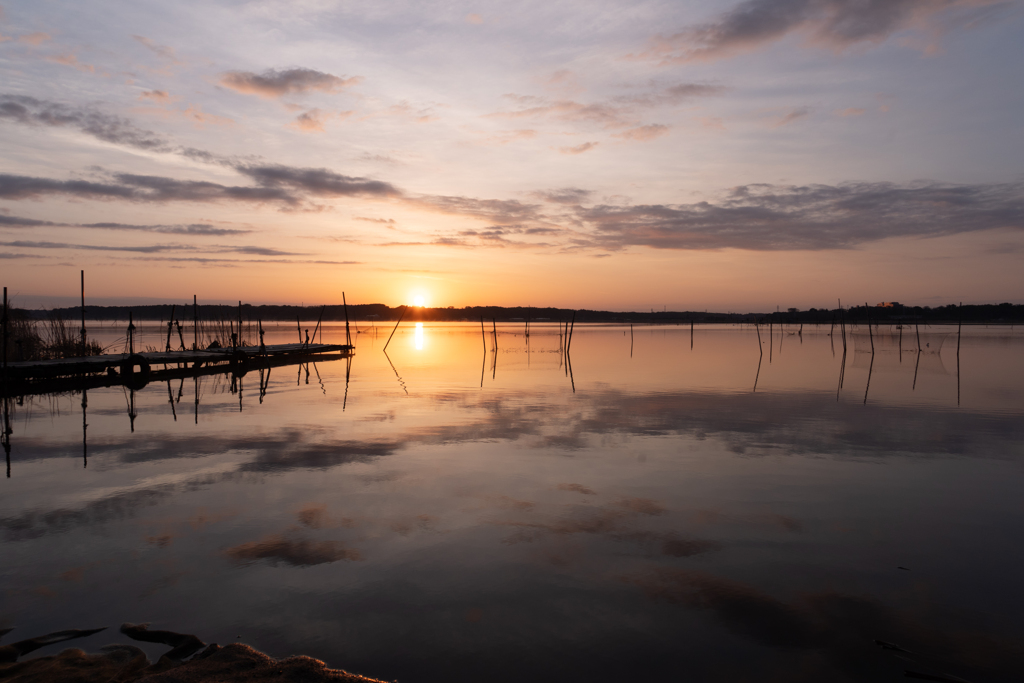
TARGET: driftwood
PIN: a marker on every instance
(10, 653)
(234, 663)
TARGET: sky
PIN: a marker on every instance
(688, 155)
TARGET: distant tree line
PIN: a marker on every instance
(893, 313)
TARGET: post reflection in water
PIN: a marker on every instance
(658, 519)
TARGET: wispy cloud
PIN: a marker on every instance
(790, 117)
(833, 24)
(195, 229)
(275, 83)
(149, 249)
(71, 59)
(114, 129)
(34, 38)
(814, 217)
(644, 133)
(163, 51)
(578, 149)
(311, 121)
(317, 182)
(141, 189)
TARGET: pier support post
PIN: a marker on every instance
(348, 334)
(5, 334)
(83, 314)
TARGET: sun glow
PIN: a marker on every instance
(419, 300)
(418, 337)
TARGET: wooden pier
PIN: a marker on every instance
(139, 369)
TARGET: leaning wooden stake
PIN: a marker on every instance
(317, 328)
(404, 308)
(572, 326)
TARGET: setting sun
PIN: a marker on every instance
(419, 300)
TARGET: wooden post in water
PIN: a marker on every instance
(170, 326)
(239, 323)
(195, 323)
(960, 310)
(494, 327)
(483, 335)
(5, 335)
(348, 334)
(131, 334)
(568, 346)
(901, 341)
(404, 308)
(298, 324)
(631, 340)
(691, 334)
(760, 348)
(867, 312)
(83, 312)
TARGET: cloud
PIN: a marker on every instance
(31, 111)
(506, 211)
(775, 217)
(311, 121)
(162, 51)
(297, 553)
(278, 83)
(795, 115)
(620, 112)
(675, 94)
(34, 38)
(512, 136)
(711, 122)
(833, 626)
(69, 59)
(148, 249)
(188, 229)
(832, 24)
(603, 114)
(578, 149)
(851, 111)
(19, 222)
(195, 113)
(567, 195)
(578, 488)
(318, 182)
(158, 96)
(474, 19)
(644, 133)
(140, 189)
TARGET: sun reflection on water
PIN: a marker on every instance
(418, 338)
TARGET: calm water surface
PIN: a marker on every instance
(456, 514)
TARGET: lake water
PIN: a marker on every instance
(456, 514)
